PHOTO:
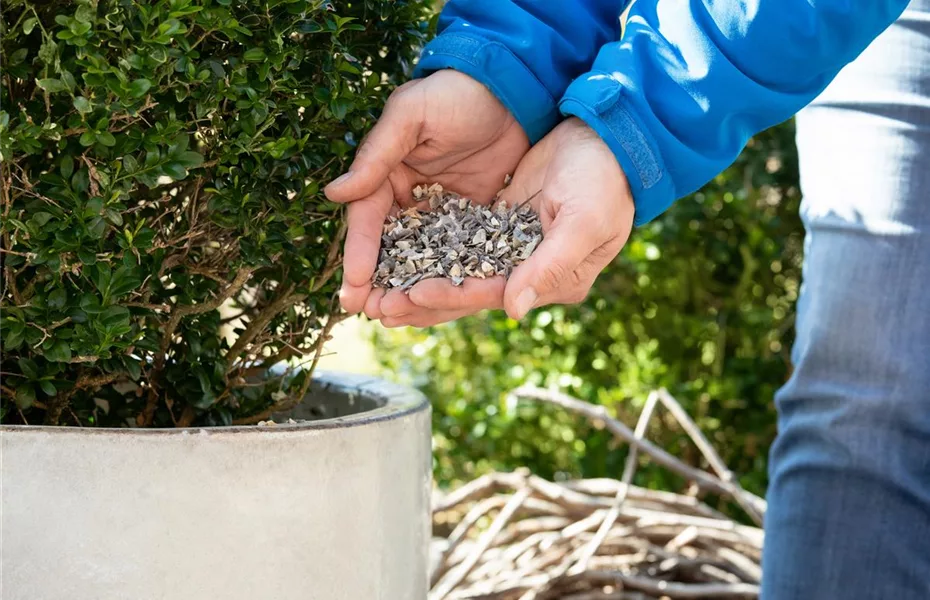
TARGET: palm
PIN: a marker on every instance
(468, 141)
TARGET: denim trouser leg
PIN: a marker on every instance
(849, 500)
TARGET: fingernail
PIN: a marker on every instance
(341, 179)
(525, 302)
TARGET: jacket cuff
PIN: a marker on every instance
(495, 66)
(599, 101)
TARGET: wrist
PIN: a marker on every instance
(501, 72)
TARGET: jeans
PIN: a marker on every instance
(849, 498)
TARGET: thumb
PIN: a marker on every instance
(551, 268)
(383, 149)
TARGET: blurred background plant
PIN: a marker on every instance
(700, 302)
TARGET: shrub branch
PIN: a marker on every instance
(148, 413)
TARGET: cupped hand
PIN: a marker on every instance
(586, 209)
(445, 128)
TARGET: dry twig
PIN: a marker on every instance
(571, 540)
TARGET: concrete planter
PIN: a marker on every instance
(336, 509)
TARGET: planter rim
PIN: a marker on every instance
(399, 401)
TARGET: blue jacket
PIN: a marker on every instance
(675, 87)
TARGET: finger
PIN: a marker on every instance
(396, 303)
(363, 239)
(428, 319)
(585, 275)
(389, 142)
(363, 243)
(588, 272)
(552, 266)
(474, 294)
(352, 297)
(373, 304)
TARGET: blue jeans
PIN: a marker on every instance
(849, 499)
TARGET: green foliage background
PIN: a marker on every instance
(161, 159)
(701, 301)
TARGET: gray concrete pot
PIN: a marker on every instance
(335, 509)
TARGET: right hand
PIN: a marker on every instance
(446, 128)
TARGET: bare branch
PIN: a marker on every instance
(59, 403)
(148, 413)
(569, 540)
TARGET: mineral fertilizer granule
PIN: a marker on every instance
(455, 239)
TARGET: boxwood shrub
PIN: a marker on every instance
(165, 240)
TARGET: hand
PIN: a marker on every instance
(587, 214)
(446, 128)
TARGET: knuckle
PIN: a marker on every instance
(552, 276)
(402, 98)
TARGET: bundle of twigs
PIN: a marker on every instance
(520, 537)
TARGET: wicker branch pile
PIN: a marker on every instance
(520, 537)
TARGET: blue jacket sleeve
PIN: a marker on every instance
(687, 85)
(526, 52)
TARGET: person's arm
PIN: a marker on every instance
(526, 52)
(691, 81)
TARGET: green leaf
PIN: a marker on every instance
(179, 145)
(12, 339)
(51, 85)
(29, 368)
(85, 13)
(41, 218)
(68, 79)
(78, 28)
(29, 25)
(190, 160)
(25, 396)
(151, 158)
(144, 238)
(254, 55)
(91, 304)
(66, 166)
(87, 256)
(58, 298)
(159, 55)
(114, 216)
(48, 387)
(93, 206)
(97, 227)
(19, 56)
(59, 352)
(83, 105)
(102, 281)
(88, 138)
(340, 107)
(115, 320)
(123, 282)
(133, 367)
(81, 180)
(106, 138)
(139, 87)
(175, 170)
(130, 164)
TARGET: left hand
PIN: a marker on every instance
(586, 210)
